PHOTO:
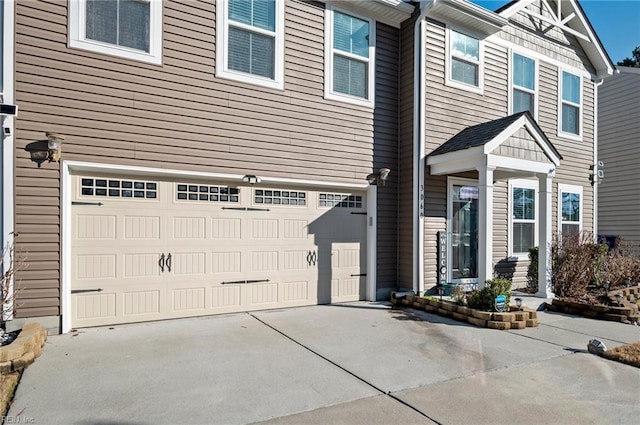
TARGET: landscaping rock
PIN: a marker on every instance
(477, 322)
(518, 324)
(596, 346)
(532, 323)
(499, 325)
(459, 316)
(484, 315)
(503, 317)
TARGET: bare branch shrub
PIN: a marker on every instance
(621, 264)
(577, 262)
(8, 288)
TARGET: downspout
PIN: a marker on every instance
(419, 107)
(597, 84)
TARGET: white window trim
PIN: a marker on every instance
(222, 48)
(77, 39)
(328, 60)
(448, 81)
(567, 188)
(580, 106)
(526, 184)
(513, 86)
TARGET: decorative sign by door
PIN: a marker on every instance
(442, 258)
(500, 303)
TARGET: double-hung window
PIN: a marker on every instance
(570, 209)
(349, 62)
(523, 216)
(523, 83)
(571, 104)
(464, 64)
(127, 28)
(250, 41)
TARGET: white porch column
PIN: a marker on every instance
(544, 234)
(485, 224)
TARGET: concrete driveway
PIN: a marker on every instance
(359, 363)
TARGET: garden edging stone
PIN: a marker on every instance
(24, 350)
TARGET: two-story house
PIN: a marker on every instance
(180, 158)
(498, 153)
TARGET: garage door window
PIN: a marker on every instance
(119, 188)
(280, 197)
(194, 192)
(332, 200)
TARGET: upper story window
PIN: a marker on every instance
(250, 41)
(571, 104)
(349, 61)
(127, 28)
(523, 216)
(570, 209)
(523, 84)
(464, 64)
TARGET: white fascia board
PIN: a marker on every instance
(509, 163)
(458, 164)
(515, 8)
(542, 143)
(504, 135)
(390, 12)
(455, 156)
(606, 67)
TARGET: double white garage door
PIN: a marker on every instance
(150, 249)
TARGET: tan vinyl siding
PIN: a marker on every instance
(180, 116)
(619, 148)
(450, 110)
(385, 154)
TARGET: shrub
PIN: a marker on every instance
(484, 299)
(576, 262)
(532, 270)
(621, 264)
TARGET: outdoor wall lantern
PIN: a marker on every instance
(379, 178)
(519, 303)
(597, 174)
(46, 150)
(251, 179)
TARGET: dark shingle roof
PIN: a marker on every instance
(481, 134)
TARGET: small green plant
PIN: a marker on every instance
(484, 299)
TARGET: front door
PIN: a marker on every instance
(463, 231)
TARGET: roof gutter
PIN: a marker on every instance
(419, 106)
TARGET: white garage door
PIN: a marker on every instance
(150, 249)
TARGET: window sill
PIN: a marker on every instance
(251, 79)
(368, 103)
(463, 86)
(113, 50)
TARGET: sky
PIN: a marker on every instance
(617, 23)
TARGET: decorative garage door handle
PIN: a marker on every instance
(161, 262)
(312, 258)
(169, 262)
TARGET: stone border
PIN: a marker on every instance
(24, 350)
(626, 312)
(514, 319)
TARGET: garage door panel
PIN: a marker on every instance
(225, 256)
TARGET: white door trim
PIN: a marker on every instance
(71, 167)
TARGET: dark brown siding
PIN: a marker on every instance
(180, 116)
(406, 158)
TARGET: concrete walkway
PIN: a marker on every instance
(359, 363)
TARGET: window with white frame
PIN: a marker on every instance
(350, 53)
(523, 212)
(569, 209)
(250, 41)
(571, 103)
(523, 83)
(464, 67)
(127, 28)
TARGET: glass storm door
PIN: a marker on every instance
(464, 233)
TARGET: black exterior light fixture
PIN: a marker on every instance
(46, 150)
(440, 291)
(380, 177)
(519, 303)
